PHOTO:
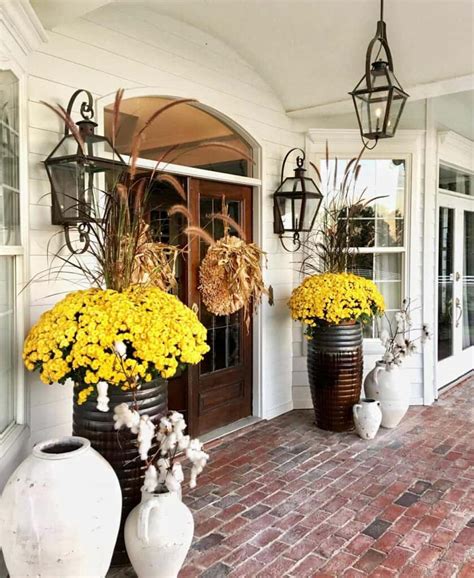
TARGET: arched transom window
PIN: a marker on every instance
(179, 134)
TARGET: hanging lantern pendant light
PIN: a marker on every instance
(378, 98)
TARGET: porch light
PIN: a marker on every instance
(295, 203)
(80, 173)
(378, 98)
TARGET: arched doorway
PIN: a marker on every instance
(201, 150)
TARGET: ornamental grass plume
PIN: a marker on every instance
(334, 299)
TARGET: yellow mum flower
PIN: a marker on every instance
(76, 338)
(335, 298)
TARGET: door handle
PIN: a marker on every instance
(458, 276)
(459, 308)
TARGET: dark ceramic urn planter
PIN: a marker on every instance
(335, 363)
(119, 448)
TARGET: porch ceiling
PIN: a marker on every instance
(311, 52)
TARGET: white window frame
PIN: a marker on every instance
(20, 33)
(18, 428)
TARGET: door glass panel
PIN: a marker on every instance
(224, 332)
(445, 282)
(168, 229)
(468, 282)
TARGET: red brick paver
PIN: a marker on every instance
(285, 499)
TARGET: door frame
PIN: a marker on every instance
(445, 374)
(258, 183)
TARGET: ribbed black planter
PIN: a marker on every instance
(119, 448)
(335, 363)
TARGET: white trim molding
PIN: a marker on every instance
(21, 31)
(456, 150)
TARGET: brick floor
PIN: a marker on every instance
(283, 498)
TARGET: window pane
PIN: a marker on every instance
(7, 332)
(9, 165)
(381, 223)
(455, 180)
(178, 134)
(386, 271)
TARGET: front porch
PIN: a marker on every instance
(282, 498)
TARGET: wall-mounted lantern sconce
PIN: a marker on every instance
(80, 173)
(295, 203)
(378, 98)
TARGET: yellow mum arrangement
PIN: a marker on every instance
(80, 337)
(335, 298)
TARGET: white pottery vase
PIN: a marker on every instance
(367, 418)
(158, 535)
(60, 512)
(388, 386)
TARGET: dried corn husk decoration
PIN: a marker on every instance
(230, 275)
(154, 263)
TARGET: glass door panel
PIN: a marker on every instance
(224, 332)
(455, 330)
(468, 282)
(445, 282)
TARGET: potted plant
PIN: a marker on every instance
(332, 303)
(333, 307)
(159, 531)
(384, 382)
(116, 346)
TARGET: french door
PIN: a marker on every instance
(220, 387)
(455, 323)
(218, 391)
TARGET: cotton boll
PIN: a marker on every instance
(120, 349)
(146, 431)
(163, 467)
(183, 443)
(124, 416)
(177, 471)
(151, 479)
(102, 398)
(172, 483)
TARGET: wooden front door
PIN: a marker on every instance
(220, 387)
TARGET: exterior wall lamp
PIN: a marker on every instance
(296, 202)
(378, 98)
(81, 169)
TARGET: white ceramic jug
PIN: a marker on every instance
(60, 512)
(367, 418)
(387, 385)
(158, 535)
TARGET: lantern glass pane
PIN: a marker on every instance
(396, 106)
(311, 208)
(68, 186)
(286, 215)
(291, 185)
(297, 214)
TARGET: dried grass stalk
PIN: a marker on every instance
(154, 263)
(231, 278)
